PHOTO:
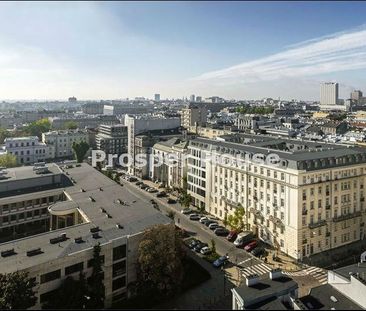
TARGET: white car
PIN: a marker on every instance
(213, 224)
(205, 250)
(202, 219)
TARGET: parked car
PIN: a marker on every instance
(161, 194)
(232, 236)
(194, 217)
(209, 222)
(171, 201)
(152, 190)
(202, 219)
(258, 251)
(199, 246)
(213, 225)
(220, 261)
(242, 238)
(143, 186)
(193, 243)
(139, 183)
(186, 211)
(131, 179)
(250, 246)
(221, 231)
(205, 250)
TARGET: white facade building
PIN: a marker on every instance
(28, 149)
(62, 141)
(328, 93)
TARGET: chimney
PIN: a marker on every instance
(251, 279)
(275, 273)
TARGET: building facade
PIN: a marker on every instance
(328, 94)
(62, 141)
(193, 115)
(309, 201)
(28, 149)
(112, 139)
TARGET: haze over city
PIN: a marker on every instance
(238, 50)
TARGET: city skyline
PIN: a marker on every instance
(243, 50)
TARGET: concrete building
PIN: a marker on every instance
(334, 128)
(157, 97)
(93, 108)
(62, 141)
(77, 207)
(310, 201)
(192, 98)
(174, 167)
(84, 121)
(356, 95)
(275, 291)
(194, 115)
(143, 147)
(112, 139)
(144, 124)
(328, 94)
(28, 149)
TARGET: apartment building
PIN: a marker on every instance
(309, 200)
(83, 121)
(112, 139)
(193, 115)
(63, 140)
(82, 207)
(171, 155)
(144, 124)
(28, 149)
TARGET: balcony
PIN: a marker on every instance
(327, 234)
(320, 223)
(304, 241)
(305, 212)
(347, 216)
(327, 207)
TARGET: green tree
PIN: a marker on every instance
(236, 220)
(36, 128)
(80, 149)
(96, 285)
(8, 160)
(70, 125)
(185, 199)
(70, 295)
(159, 262)
(16, 291)
(4, 133)
(171, 214)
(213, 246)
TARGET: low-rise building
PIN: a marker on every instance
(63, 140)
(28, 149)
(78, 208)
(112, 139)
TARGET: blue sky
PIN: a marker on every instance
(96, 50)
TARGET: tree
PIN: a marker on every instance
(70, 125)
(96, 287)
(213, 246)
(8, 160)
(171, 214)
(80, 149)
(70, 295)
(36, 128)
(159, 262)
(16, 291)
(185, 199)
(4, 133)
(236, 220)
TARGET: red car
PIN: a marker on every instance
(250, 246)
(232, 236)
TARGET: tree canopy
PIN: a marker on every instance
(80, 149)
(8, 160)
(70, 125)
(236, 220)
(16, 291)
(255, 110)
(160, 262)
(38, 127)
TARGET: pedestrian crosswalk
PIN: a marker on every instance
(319, 274)
(256, 269)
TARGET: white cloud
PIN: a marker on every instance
(334, 53)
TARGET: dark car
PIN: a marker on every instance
(193, 243)
(199, 246)
(221, 231)
(209, 222)
(171, 201)
(232, 236)
(258, 251)
(220, 261)
(132, 179)
(143, 186)
(139, 183)
(161, 194)
(214, 226)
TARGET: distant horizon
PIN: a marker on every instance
(236, 50)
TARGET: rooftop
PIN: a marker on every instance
(105, 204)
(320, 298)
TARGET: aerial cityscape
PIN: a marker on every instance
(183, 155)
